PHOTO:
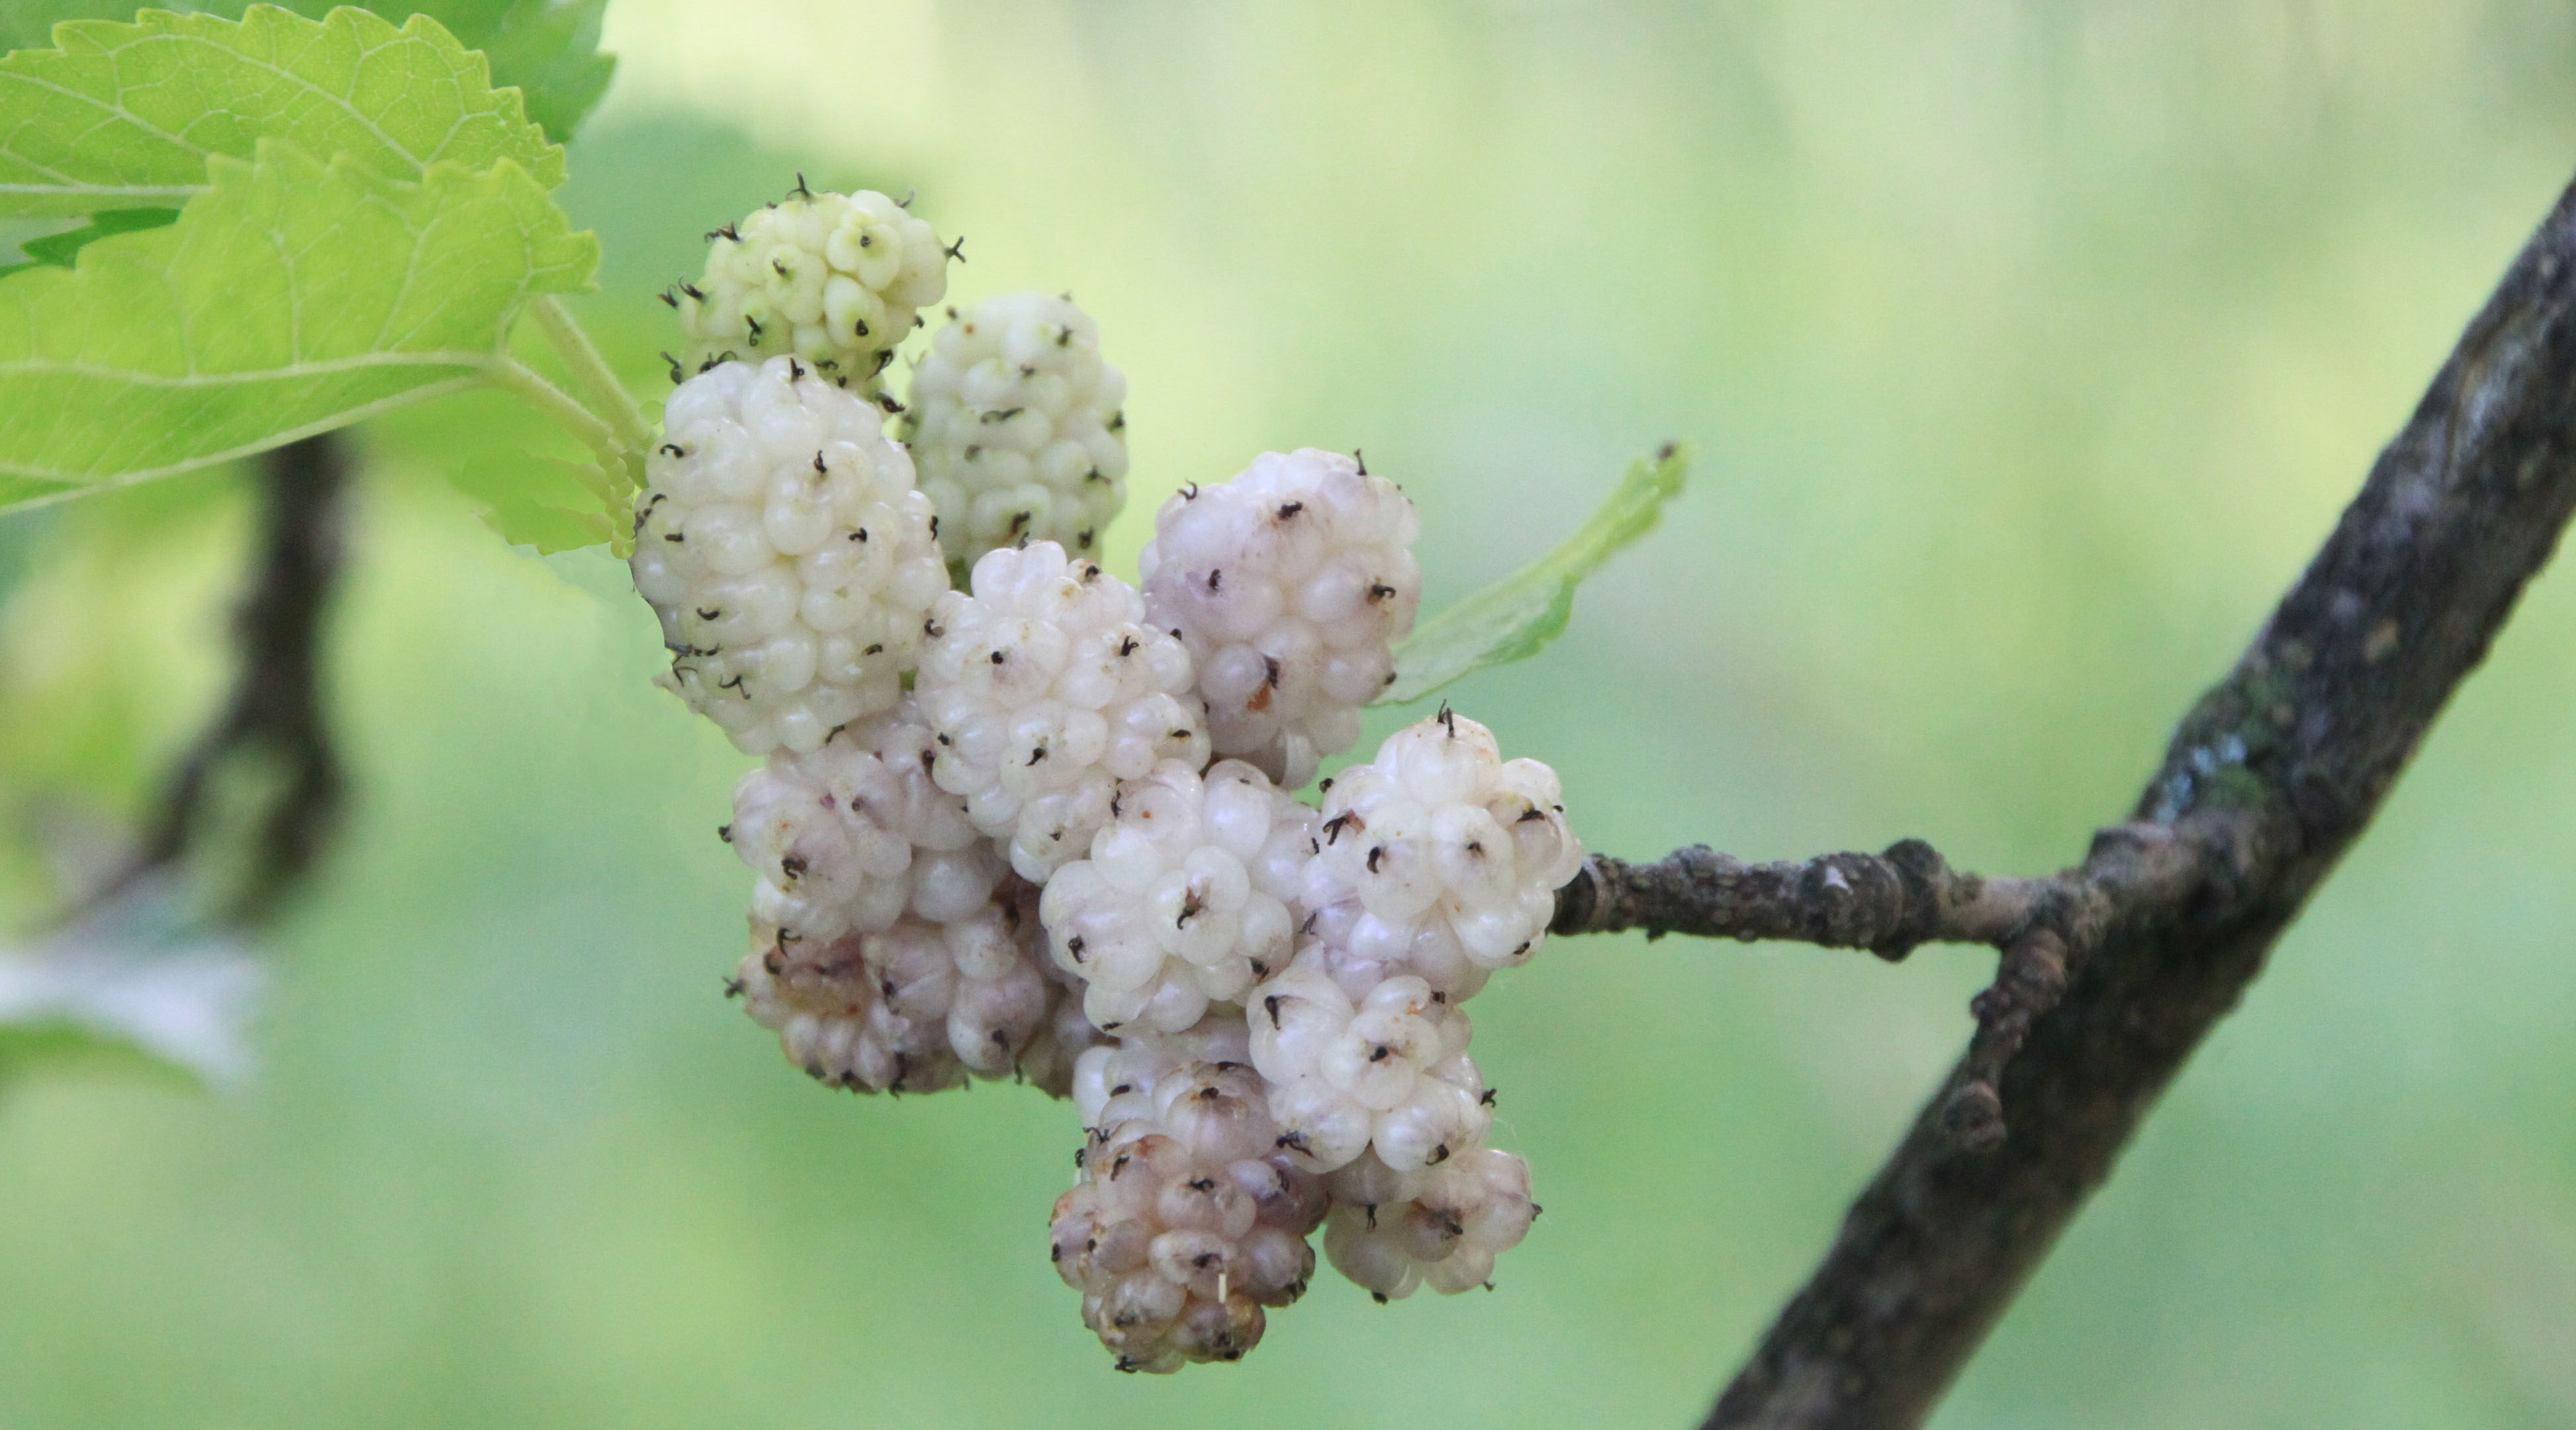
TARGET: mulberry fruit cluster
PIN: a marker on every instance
(1440, 859)
(1391, 1232)
(1186, 1220)
(1046, 825)
(1184, 900)
(1290, 585)
(834, 279)
(782, 543)
(1046, 688)
(915, 1007)
(854, 834)
(1015, 424)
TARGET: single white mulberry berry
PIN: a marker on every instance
(1045, 689)
(1184, 900)
(1290, 585)
(911, 1009)
(1015, 426)
(855, 834)
(1390, 1232)
(1439, 859)
(783, 546)
(834, 279)
(1387, 1073)
(827, 1004)
(1186, 1223)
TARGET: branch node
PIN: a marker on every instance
(1928, 886)
(1974, 1116)
(2029, 980)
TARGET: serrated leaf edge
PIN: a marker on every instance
(485, 367)
(511, 102)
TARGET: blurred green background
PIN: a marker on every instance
(2029, 348)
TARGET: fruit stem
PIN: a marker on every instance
(608, 398)
(557, 404)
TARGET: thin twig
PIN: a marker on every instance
(1887, 903)
(1893, 903)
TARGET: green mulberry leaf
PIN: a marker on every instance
(128, 115)
(542, 502)
(291, 297)
(1517, 616)
(549, 49)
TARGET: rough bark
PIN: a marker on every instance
(2115, 970)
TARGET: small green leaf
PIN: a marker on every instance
(288, 299)
(1518, 615)
(58, 249)
(127, 115)
(544, 502)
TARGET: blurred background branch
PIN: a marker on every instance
(153, 965)
(271, 737)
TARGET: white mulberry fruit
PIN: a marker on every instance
(1045, 688)
(1290, 585)
(1439, 858)
(1387, 1073)
(834, 279)
(1389, 1232)
(912, 1009)
(783, 546)
(854, 834)
(1016, 428)
(1184, 900)
(1186, 1223)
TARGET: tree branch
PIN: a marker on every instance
(274, 711)
(2115, 970)
(1887, 903)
